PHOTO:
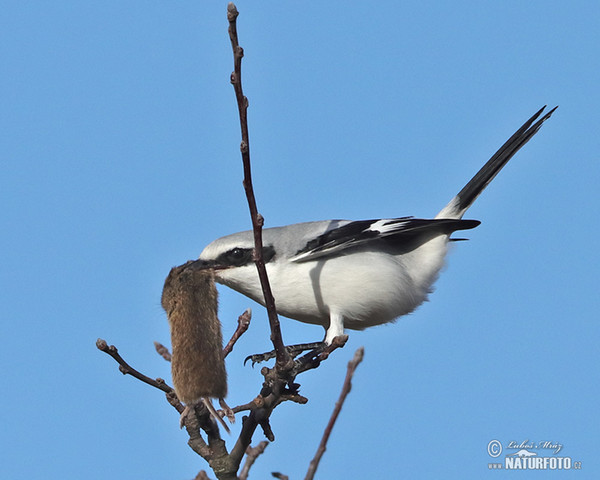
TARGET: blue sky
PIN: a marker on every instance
(120, 159)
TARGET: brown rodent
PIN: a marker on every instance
(190, 299)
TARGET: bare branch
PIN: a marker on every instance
(192, 426)
(243, 408)
(352, 364)
(283, 358)
(279, 382)
(252, 453)
(249, 425)
(215, 451)
(243, 324)
(280, 476)
(126, 369)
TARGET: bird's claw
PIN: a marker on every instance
(260, 357)
(293, 351)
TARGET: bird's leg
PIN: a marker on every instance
(335, 329)
(293, 350)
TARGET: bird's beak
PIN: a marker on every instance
(201, 265)
(195, 265)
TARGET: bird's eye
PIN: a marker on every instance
(236, 257)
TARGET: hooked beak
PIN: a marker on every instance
(195, 265)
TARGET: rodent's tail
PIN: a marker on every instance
(214, 413)
(461, 202)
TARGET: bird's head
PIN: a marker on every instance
(231, 258)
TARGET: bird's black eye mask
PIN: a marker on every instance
(238, 257)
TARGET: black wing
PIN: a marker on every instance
(397, 231)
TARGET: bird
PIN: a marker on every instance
(344, 274)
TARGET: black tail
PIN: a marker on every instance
(459, 204)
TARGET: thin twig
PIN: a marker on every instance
(352, 364)
(243, 408)
(283, 358)
(243, 324)
(252, 453)
(162, 351)
(280, 476)
(127, 369)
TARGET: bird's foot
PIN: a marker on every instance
(293, 350)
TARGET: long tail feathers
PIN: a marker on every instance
(461, 202)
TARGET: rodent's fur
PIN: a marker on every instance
(191, 301)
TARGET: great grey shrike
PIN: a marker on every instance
(355, 274)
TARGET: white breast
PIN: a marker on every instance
(367, 288)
